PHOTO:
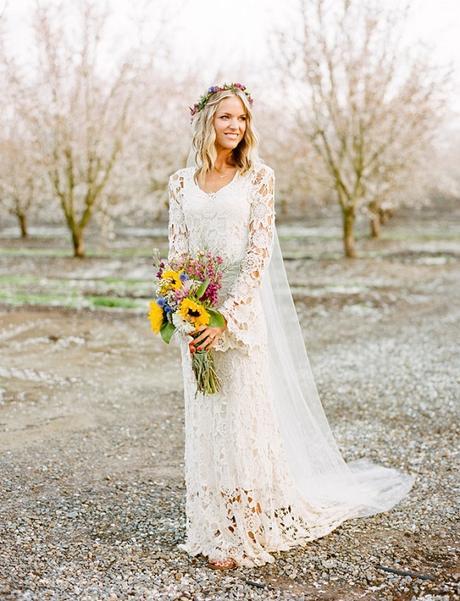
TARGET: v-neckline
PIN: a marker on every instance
(216, 191)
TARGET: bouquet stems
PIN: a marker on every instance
(207, 380)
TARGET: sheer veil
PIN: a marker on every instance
(354, 489)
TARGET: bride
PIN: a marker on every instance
(263, 471)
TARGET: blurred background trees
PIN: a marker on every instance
(348, 114)
(77, 122)
(369, 106)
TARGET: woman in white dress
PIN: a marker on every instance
(262, 470)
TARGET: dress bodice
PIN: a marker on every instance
(217, 220)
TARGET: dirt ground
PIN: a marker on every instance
(91, 423)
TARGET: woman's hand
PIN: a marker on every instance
(207, 338)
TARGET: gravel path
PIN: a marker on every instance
(91, 440)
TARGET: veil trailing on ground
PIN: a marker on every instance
(355, 489)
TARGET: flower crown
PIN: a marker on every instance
(198, 106)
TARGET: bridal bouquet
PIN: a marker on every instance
(185, 297)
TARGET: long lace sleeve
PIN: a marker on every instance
(238, 308)
(177, 228)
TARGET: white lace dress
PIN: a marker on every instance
(241, 501)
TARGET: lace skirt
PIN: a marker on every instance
(241, 500)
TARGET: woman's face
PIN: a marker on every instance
(230, 123)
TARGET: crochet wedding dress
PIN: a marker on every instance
(262, 470)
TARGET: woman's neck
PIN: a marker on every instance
(224, 159)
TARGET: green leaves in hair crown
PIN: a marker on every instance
(198, 106)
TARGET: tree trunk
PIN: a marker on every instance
(22, 218)
(348, 215)
(375, 225)
(283, 207)
(78, 243)
(386, 216)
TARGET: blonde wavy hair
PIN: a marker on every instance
(204, 136)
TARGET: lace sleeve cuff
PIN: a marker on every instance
(238, 334)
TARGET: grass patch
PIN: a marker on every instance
(401, 235)
(35, 252)
(113, 302)
(20, 280)
(112, 253)
(74, 300)
(28, 279)
(120, 253)
(129, 283)
(21, 298)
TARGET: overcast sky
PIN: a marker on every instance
(207, 32)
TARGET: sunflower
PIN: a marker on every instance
(171, 280)
(193, 312)
(156, 316)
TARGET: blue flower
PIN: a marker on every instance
(167, 308)
(161, 301)
(183, 277)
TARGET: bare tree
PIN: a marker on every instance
(77, 118)
(19, 181)
(157, 144)
(101, 130)
(22, 186)
(447, 178)
(368, 106)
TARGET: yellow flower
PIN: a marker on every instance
(155, 316)
(193, 312)
(172, 279)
